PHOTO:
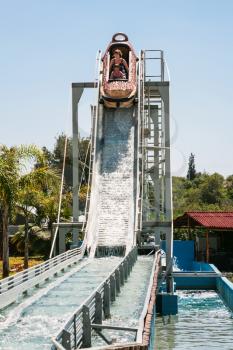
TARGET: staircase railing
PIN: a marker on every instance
(138, 221)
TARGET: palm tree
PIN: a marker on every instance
(9, 170)
(49, 208)
(33, 186)
(12, 164)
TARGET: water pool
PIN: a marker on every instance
(203, 322)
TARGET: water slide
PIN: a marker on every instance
(110, 227)
(36, 317)
(110, 230)
(32, 320)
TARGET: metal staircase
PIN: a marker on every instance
(154, 142)
(155, 183)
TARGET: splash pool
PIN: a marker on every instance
(203, 322)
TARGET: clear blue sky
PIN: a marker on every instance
(47, 44)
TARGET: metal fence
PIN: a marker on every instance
(77, 331)
(12, 286)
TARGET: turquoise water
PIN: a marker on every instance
(32, 324)
(127, 308)
(203, 322)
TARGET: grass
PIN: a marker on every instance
(16, 264)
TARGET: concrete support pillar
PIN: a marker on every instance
(76, 95)
(62, 237)
(207, 247)
(155, 176)
(164, 91)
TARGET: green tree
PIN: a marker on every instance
(205, 192)
(47, 208)
(212, 189)
(56, 160)
(229, 187)
(40, 180)
(191, 168)
(9, 170)
(12, 161)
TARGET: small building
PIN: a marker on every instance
(213, 235)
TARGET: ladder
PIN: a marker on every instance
(152, 138)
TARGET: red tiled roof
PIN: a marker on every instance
(214, 220)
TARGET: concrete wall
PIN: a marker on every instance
(183, 254)
(225, 289)
(195, 283)
(200, 266)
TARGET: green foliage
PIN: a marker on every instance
(55, 158)
(229, 187)
(212, 189)
(13, 163)
(34, 193)
(191, 168)
(39, 240)
(9, 172)
(205, 192)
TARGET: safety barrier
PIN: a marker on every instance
(77, 331)
(12, 286)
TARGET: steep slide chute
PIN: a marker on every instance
(110, 228)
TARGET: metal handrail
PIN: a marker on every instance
(11, 287)
(76, 332)
(162, 63)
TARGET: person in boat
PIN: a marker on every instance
(116, 73)
(117, 59)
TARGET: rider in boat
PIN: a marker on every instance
(116, 73)
(118, 60)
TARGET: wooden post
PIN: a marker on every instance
(122, 275)
(113, 288)
(207, 247)
(189, 231)
(125, 268)
(118, 284)
(66, 340)
(98, 308)
(130, 263)
(106, 300)
(86, 327)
